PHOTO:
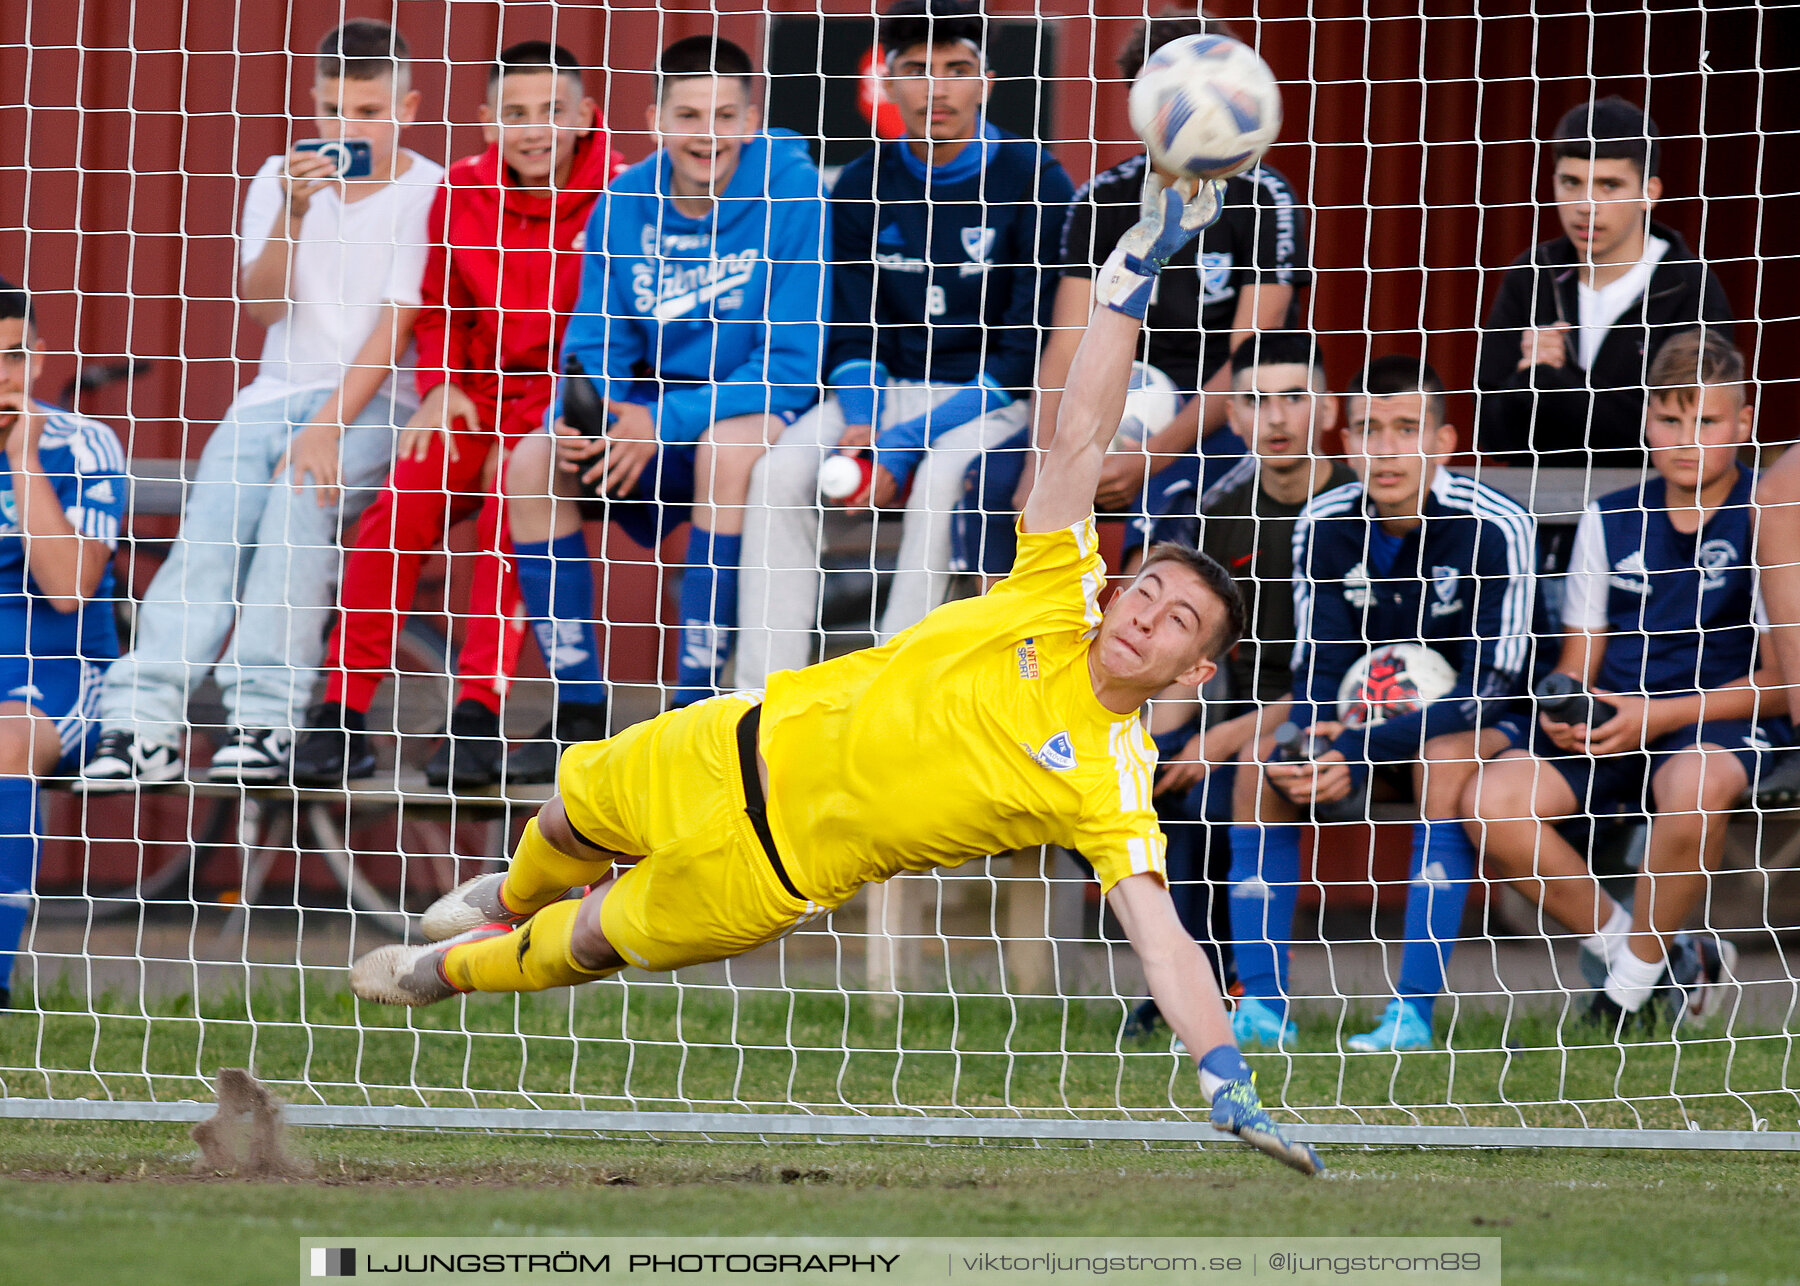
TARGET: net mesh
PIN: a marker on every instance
(205, 924)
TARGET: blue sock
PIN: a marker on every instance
(18, 860)
(1443, 865)
(709, 608)
(1265, 889)
(556, 580)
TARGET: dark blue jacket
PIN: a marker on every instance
(945, 280)
(1461, 584)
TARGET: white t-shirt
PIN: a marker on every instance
(1599, 309)
(351, 259)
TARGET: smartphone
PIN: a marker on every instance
(353, 157)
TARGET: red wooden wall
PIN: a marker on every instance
(128, 127)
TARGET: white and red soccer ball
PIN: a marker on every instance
(1393, 680)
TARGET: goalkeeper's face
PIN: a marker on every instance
(1160, 629)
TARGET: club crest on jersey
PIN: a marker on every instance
(9, 511)
(1057, 754)
(1215, 277)
(1028, 659)
(1444, 582)
(1631, 574)
(1715, 558)
(1357, 590)
(978, 244)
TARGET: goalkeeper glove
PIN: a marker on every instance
(1226, 1078)
(1173, 215)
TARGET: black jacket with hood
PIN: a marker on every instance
(1567, 416)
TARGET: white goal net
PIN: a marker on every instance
(1430, 213)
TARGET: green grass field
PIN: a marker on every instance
(119, 1202)
(658, 1045)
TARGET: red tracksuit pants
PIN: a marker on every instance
(409, 521)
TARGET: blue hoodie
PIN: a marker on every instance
(705, 319)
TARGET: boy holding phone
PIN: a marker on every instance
(500, 284)
(331, 265)
(1663, 617)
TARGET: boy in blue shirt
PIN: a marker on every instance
(699, 329)
(1408, 554)
(938, 291)
(61, 500)
(1662, 617)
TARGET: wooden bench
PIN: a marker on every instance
(268, 814)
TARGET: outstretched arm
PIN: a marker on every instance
(1094, 397)
(1187, 994)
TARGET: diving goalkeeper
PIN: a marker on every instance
(995, 723)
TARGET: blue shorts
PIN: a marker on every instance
(1620, 784)
(663, 496)
(64, 688)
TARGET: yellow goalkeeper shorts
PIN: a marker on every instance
(673, 791)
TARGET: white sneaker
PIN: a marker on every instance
(469, 905)
(254, 756)
(411, 976)
(123, 762)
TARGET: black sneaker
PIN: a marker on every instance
(535, 761)
(1703, 970)
(254, 756)
(122, 762)
(472, 752)
(1617, 1023)
(335, 747)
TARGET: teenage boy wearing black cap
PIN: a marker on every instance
(1579, 319)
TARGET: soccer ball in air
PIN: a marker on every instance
(1150, 403)
(1206, 107)
(1393, 680)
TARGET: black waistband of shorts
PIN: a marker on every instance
(756, 806)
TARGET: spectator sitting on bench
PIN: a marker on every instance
(331, 266)
(1408, 554)
(1280, 404)
(60, 506)
(487, 344)
(943, 242)
(1579, 319)
(1662, 620)
(698, 328)
(1244, 274)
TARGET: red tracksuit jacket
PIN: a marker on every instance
(501, 279)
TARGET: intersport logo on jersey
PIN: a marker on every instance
(666, 291)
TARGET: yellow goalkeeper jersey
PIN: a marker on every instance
(974, 732)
